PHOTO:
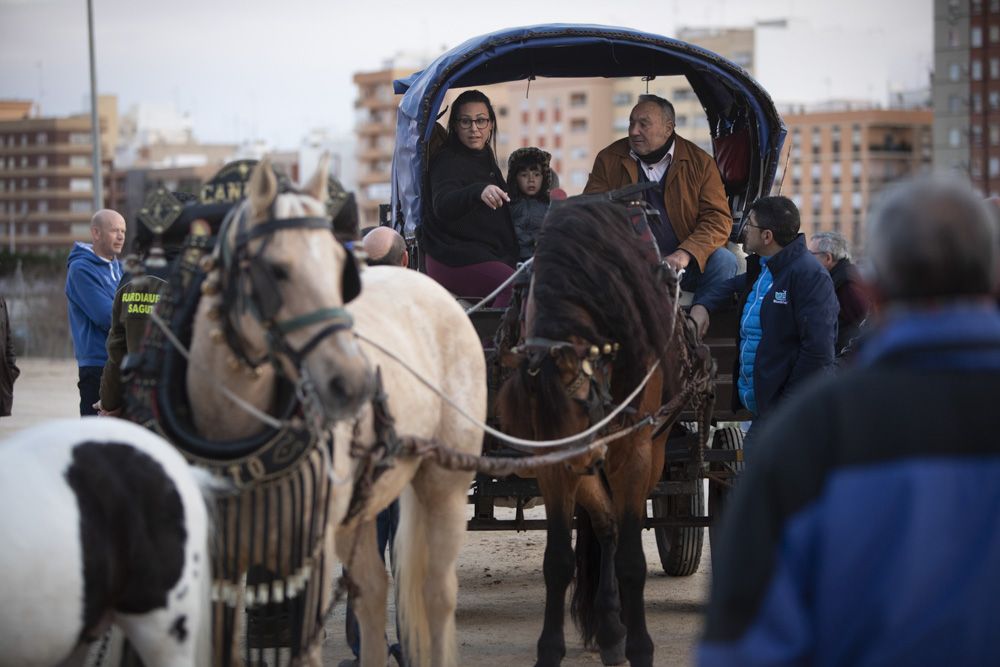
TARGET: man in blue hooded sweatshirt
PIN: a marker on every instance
(91, 280)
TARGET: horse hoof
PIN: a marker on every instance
(614, 655)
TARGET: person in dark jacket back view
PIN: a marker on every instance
(92, 276)
(788, 319)
(830, 248)
(864, 533)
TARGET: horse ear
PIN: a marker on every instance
(263, 187)
(316, 187)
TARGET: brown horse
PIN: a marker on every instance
(598, 318)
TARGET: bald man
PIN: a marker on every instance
(384, 246)
(92, 276)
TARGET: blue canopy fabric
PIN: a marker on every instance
(567, 51)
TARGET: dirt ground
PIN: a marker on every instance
(501, 592)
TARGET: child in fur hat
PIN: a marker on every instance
(529, 181)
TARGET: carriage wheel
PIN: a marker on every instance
(729, 438)
(679, 547)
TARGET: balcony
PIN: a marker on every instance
(368, 128)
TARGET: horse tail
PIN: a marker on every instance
(588, 573)
(411, 553)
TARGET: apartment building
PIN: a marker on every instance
(837, 159)
(46, 174)
(375, 127)
(966, 90)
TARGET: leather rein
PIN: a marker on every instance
(262, 297)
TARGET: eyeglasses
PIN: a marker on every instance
(756, 226)
(481, 123)
(817, 252)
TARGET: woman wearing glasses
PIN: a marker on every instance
(469, 237)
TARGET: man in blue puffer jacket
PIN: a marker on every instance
(788, 321)
(91, 280)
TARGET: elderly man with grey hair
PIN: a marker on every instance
(694, 221)
(872, 505)
(830, 248)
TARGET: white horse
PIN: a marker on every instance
(399, 310)
(103, 522)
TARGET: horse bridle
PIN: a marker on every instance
(263, 299)
(593, 366)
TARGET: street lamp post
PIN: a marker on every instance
(95, 128)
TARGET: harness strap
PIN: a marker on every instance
(299, 355)
(338, 315)
(272, 226)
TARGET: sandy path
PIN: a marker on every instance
(501, 592)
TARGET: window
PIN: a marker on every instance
(952, 38)
(541, 115)
(954, 103)
(856, 201)
(43, 161)
(977, 103)
(79, 138)
(954, 72)
(995, 68)
(954, 137)
(835, 171)
(578, 153)
(816, 171)
(502, 112)
(977, 70)
(976, 37)
(835, 200)
(578, 99)
(43, 183)
(43, 229)
(681, 94)
(994, 100)
(977, 135)
(681, 121)
(578, 178)
(41, 138)
(43, 206)
(578, 125)
(79, 185)
(79, 206)
(994, 135)
(994, 167)
(622, 99)
(856, 169)
(994, 33)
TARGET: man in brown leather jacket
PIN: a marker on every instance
(695, 220)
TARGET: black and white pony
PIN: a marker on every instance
(103, 522)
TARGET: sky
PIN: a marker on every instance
(275, 70)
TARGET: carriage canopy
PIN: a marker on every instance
(729, 94)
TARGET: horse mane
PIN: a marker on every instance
(592, 279)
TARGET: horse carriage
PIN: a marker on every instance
(747, 134)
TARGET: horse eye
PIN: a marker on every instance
(279, 271)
